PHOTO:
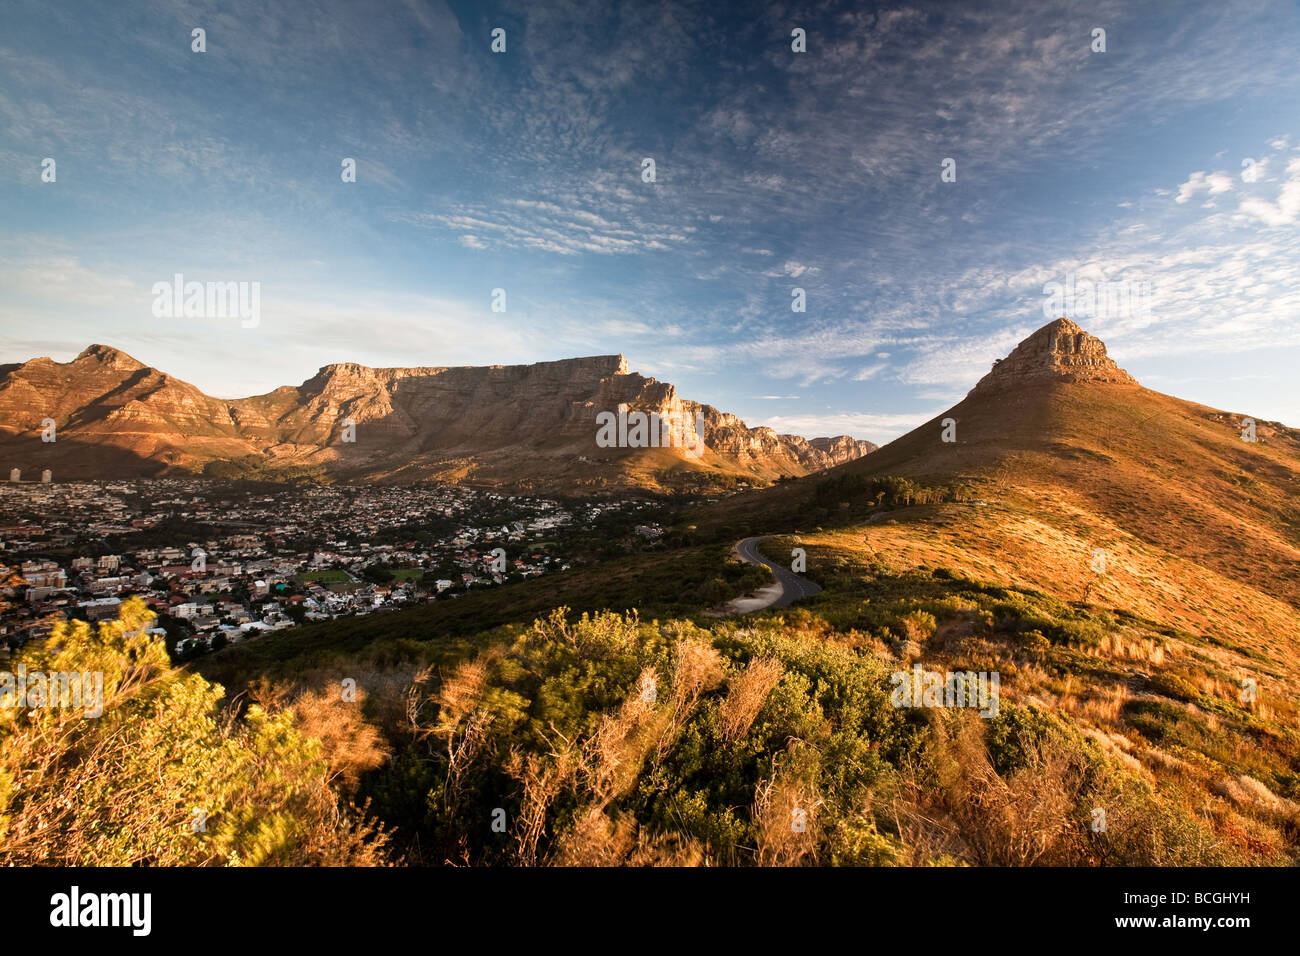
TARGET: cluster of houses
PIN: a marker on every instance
(284, 557)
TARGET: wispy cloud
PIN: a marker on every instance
(879, 428)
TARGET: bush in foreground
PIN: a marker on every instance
(164, 776)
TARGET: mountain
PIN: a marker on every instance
(1068, 454)
(1058, 418)
(528, 426)
(113, 416)
(1058, 352)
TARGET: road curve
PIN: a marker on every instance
(793, 587)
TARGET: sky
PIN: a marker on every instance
(1169, 162)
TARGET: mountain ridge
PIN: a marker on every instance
(520, 425)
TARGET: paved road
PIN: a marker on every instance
(793, 587)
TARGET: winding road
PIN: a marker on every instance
(789, 588)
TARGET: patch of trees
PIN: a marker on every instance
(885, 491)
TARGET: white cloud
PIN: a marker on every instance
(564, 228)
(878, 428)
(1286, 210)
(795, 269)
(870, 372)
(1214, 183)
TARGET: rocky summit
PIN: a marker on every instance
(1058, 352)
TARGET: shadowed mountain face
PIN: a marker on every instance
(530, 426)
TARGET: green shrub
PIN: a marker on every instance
(1173, 685)
(917, 626)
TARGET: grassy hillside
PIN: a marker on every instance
(753, 720)
(1122, 702)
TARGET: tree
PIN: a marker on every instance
(164, 775)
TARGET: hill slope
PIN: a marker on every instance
(1060, 421)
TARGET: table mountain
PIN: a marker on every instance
(528, 426)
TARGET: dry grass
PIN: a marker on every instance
(785, 812)
(746, 694)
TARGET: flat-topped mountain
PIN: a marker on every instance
(530, 426)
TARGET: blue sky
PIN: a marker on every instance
(774, 170)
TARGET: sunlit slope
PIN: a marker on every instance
(1166, 472)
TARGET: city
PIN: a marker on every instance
(224, 562)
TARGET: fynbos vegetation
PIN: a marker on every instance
(165, 776)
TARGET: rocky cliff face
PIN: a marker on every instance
(503, 423)
(839, 449)
(1059, 351)
(728, 435)
(112, 414)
